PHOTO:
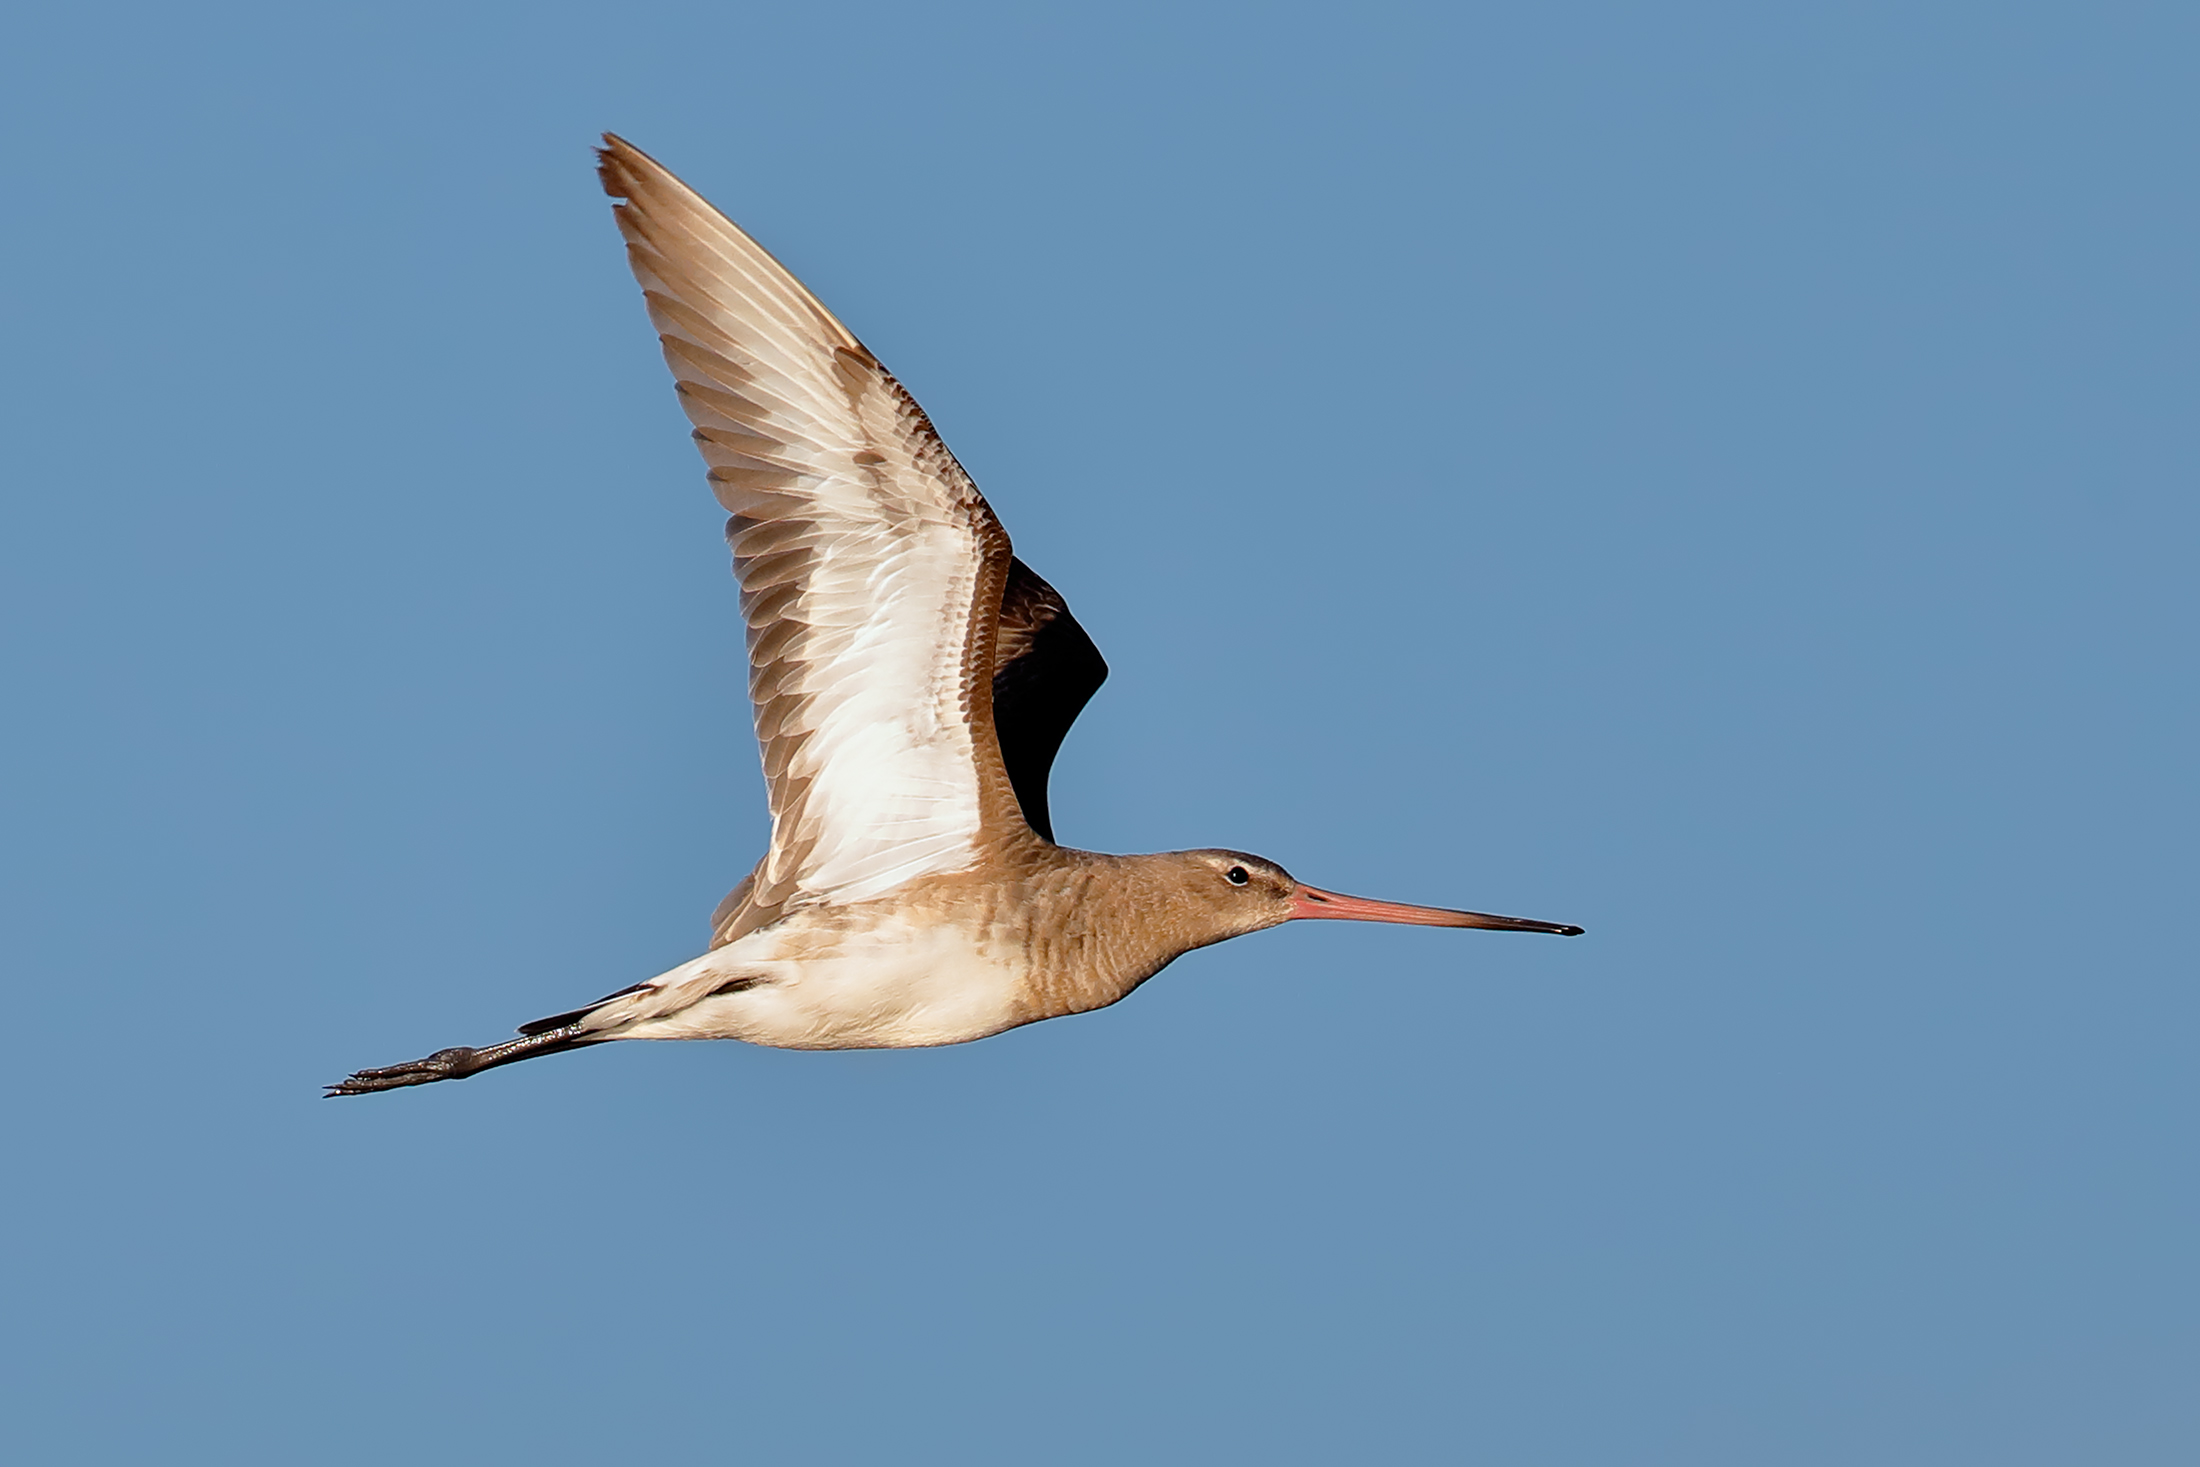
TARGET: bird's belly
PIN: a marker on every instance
(904, 986)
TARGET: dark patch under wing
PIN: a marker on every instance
(1045, 669)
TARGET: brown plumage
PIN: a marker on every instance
(912, 681)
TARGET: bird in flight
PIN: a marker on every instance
(912, 681)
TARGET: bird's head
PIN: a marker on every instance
(1229, 893)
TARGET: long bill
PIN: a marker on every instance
(1312, 902)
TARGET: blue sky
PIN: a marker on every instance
(1719, 474)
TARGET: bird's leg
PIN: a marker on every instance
(458, 1063)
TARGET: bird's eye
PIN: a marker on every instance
(1236, 876)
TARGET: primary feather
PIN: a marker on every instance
(871, 569)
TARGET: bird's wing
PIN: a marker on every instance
(871, 570)
(1045, 669)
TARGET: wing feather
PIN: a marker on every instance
(1045, 669)
(871, 569)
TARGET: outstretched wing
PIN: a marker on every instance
(871, 569)
(1045, 669)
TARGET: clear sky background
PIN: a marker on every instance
(1723, 474)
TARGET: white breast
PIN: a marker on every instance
(896, 985)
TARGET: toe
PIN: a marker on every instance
(440, 1066)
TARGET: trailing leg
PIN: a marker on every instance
(458, 1063)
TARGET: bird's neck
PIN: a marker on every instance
(1094, 927)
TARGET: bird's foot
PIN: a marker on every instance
(458, 1063)
(444, 1064)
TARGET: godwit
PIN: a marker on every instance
(912, 681)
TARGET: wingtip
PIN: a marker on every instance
(612, 167)
(620, 165)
